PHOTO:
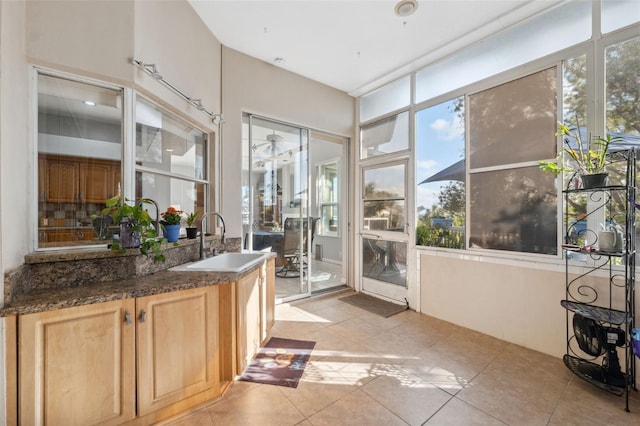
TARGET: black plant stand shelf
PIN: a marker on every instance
(600, 285)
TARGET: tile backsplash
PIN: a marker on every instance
(67, 214)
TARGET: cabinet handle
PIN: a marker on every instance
(127, 318)
(143, 315)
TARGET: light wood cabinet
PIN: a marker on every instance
(268, 298)
(76, 365)
(177, 347)
(248, 321)
(270, 291)
(138, 361)
(254, 312)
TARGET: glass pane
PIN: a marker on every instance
(385, 261)
(619, 13)
(166, 143)
(329, 215)
(170, 191)
(440, 173)
(514, 210)
(384, 182)
(384, 205)
(514, 122)
(328, 197)
(79, 159)
(556, 29)
(574, 88)
(385, 215)
(328, 183)
(279, 174)
(385, 136)
(388, 98)
(623, 91)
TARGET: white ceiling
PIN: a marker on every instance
(357, 45)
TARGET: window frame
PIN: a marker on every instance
(129, 168)
(321, 203)
(178, 176)
(594, 48)
(417, 110)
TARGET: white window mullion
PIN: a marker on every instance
(128, 184)
(596, 77)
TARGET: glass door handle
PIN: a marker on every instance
(364, 234)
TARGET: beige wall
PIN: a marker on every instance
(251, 85)
(15, 148)
(518, 304)
(171, 35)
(512, 303)
(93, 37)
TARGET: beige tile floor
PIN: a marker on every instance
(411, 369)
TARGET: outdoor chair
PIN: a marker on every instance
(289, 254)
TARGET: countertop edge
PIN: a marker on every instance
(138, 286)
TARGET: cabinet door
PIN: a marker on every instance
(95, 182)
(76, 365)
(267, 298)
(62, 181)
(270, 298)
(177, 346)
(248, 319)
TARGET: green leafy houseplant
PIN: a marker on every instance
(586, 159)
(137, 218)
(191, 219)
(192, 231)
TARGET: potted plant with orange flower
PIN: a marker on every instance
(171, 223)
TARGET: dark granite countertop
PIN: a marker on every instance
(160, 282)
(139, 278)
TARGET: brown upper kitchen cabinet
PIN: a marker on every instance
(61, 180)
(76, 180)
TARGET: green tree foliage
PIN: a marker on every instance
(623, 87)
(381, 204)
(451, 205)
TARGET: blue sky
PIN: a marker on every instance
(440, 143)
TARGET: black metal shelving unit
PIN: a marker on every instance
(602, 285)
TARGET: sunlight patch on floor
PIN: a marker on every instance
(356, 373)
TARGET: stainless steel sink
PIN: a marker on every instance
(226, 262)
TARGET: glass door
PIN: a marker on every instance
(383, 222)
(277, 202)
(328, 160)
(384, 234)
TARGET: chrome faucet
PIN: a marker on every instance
(156, 222)
(224, 230)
